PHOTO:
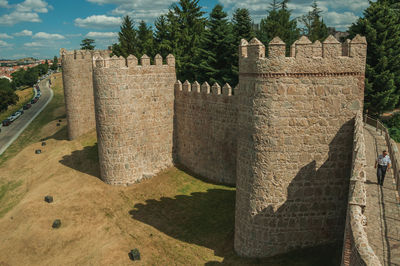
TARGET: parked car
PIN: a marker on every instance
(27, 106)
(6, 122)
(34, 100)
(21, 111)
(12, 118)
(15, 115)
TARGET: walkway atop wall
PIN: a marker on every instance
(383, 207)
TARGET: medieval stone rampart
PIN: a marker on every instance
(285, 137)
(356, 249)
(205, 130)
(294, 146)
(134, 107)
(78, 90)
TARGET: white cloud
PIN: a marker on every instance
(340, 20)
(98, 22)
(331, 9)
(48, 36)
(26, 11)
(139, 9)
(17, 17)
(38, 6)
(23, 33)
(105, 35)
(4, 4)
(5, 36)
(34, 44)
(4, 44)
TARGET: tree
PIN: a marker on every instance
(87, 44)
(187, 23)
(31, 76)
(241, 29)
(242, 26)
(127, 39)
(315, 28)
(164, 36)
(278, 23)
(145, 40)
(216, 54)
(54, 66)
(381, 27)
(18, 78)
(7, 94)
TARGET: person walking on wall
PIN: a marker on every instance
(383, 163)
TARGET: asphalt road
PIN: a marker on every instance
(10, 133)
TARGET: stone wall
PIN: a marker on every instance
(295, 127)
(78, 91)
(134, 115)
(356, 249)
(205, 130)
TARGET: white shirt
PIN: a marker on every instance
(384, 161)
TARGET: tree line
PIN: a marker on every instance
(206, 48)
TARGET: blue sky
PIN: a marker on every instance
(39, 28)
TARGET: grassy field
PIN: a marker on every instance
(172, 218)
(25, 96)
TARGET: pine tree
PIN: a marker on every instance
(163, 39)
(216, 49)
(55, 63)
(242, 25)
(381, 27)
(278, 23)
(145, 40)
(87, 44)
(127, 39)
(315, 28)
(242, 29)
(187, 24)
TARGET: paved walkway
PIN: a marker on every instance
(10, 133)
(383, 210)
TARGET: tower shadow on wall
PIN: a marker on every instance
(85, 161)
(207, 218)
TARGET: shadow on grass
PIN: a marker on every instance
(85, 161)
(207, 219)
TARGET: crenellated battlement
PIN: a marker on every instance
(284, 138)
(73, 55)
(205, 88)
(330, 56)
(107, 61)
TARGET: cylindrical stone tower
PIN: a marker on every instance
(295, 127)
(134, 107)
(78, 91)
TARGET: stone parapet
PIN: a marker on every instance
(329, 58)
(204, 133)
(134, 106)
(356, 249)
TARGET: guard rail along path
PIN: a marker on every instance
(392, 147)
(356, 249)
